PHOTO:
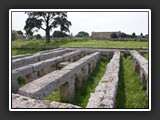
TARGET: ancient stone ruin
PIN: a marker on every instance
(68, 69)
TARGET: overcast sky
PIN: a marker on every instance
(127, 22)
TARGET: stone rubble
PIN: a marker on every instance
(19, 101)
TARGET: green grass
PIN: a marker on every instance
(19, 52)
(83, 94)
(54, 96)
(130, 93)
(81, 43)
(21, 81)
(145, 55)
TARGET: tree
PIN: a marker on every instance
(122, 35)
(133, 35)
(20, 32)
(36, 21)
(58, 34)
(38, 36)
(14, 35)
(82, 34)
(114, 35)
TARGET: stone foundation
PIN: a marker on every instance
(141, 66)
(105, 93)
(42, 68)
(68, 69)
(64, 78)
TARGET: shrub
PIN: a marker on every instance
(59, 34)
(114, 35)
(82, 34)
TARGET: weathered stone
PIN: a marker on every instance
(21, 56)
(105, 93)
(62, 64)
(19, 101)
(52, 54)
(15, 85)
(35, 58)
(31, 77)
(141, 66)
(64, 92)
(43, 86)
(38, 66)
(23, 71)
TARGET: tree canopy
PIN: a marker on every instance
(82, 34)
(59, 34)
(114, 35)
(46, 21)
(20, 32)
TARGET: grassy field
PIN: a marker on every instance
(145, 55)
(81, 43)
(130, 93)
(82, 95)
(19, 52)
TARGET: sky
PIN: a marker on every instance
(127, 22)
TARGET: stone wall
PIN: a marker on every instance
(68, 72)
(102, 35)
(36, 70)
(68, 78)
(16, 63)
(105, 93)
(141, 66)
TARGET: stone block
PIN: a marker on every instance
(41, 87)
(105, 93)
(38, 66)
(22, 71)
(15, 85)
(19, 101)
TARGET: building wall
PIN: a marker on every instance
(102, 35)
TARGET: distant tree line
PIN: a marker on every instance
(20, 35)
(82, 34)
(56, 34)
(124, 35)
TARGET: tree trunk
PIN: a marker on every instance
(47, 36)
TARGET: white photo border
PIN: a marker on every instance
(79, 10)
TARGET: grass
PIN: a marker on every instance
(83, 94)
(54, 96)
(81, 43)
(19, 52)
(21, 81)
(145, 55)
(130, 93)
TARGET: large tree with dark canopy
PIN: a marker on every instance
(37, 20)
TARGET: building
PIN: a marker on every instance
(103, 35)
